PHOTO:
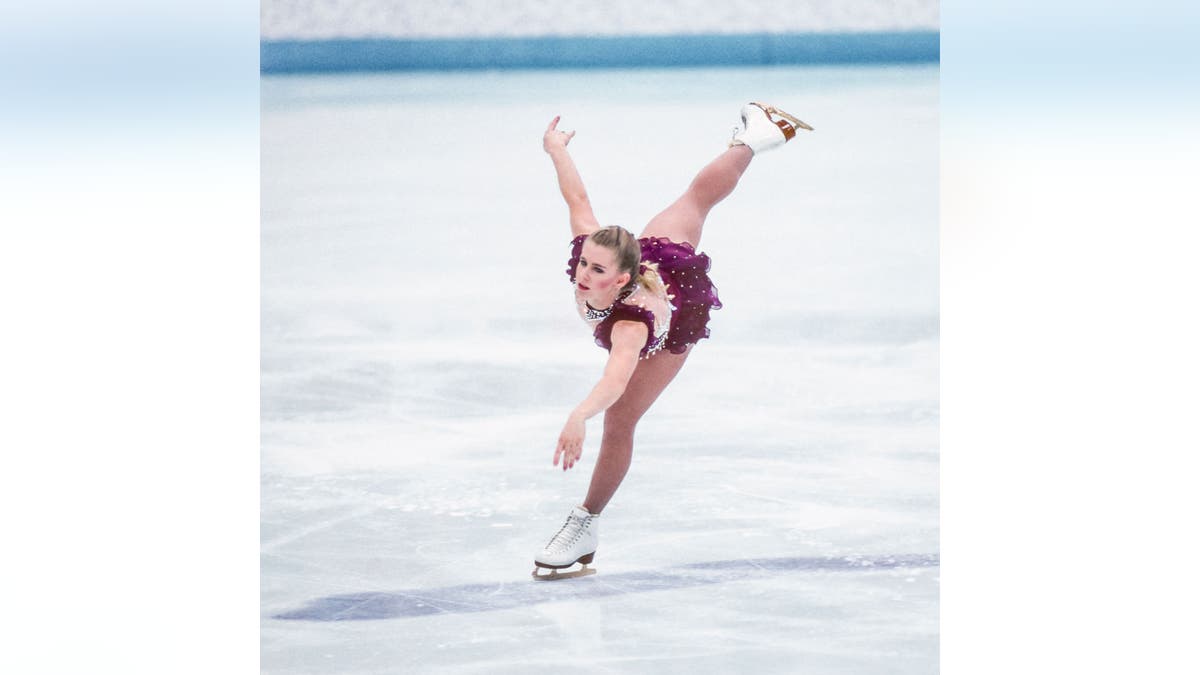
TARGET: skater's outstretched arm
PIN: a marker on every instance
(554, 142)
(627, 340)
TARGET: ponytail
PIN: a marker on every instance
(650, 280)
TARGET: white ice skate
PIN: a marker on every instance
(760, 131)
(574, 543)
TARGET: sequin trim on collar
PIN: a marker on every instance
(592, 314)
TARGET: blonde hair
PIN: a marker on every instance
(629, 257)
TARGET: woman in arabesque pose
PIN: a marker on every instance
(647, 299)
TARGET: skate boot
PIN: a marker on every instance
(574, 543)
(760, 131)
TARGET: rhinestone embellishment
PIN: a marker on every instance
(592, 314)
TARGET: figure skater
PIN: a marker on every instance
(647, 300)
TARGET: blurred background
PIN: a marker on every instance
(326, 19)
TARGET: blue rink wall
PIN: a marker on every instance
(343, 55)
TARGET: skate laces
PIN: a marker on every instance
(569, 533)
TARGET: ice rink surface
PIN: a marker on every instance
(420, 352)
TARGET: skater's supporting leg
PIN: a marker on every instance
(683, 220)
(616, 448)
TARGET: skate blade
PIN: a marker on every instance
(772, 110)
(555, 575)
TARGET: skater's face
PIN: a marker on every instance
(597, 276)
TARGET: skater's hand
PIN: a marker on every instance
(570, 442)
(554, 139)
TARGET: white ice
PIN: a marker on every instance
(420, 353)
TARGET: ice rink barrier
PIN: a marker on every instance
(349, 54)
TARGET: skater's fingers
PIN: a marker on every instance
(553, 123)
(570, 135)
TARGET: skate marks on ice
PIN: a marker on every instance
(469, 598)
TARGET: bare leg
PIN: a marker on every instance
(683, 220)
(616, 449)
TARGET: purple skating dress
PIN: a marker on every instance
(690, 296)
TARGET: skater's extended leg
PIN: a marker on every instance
(616, 448)
(683, 220)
